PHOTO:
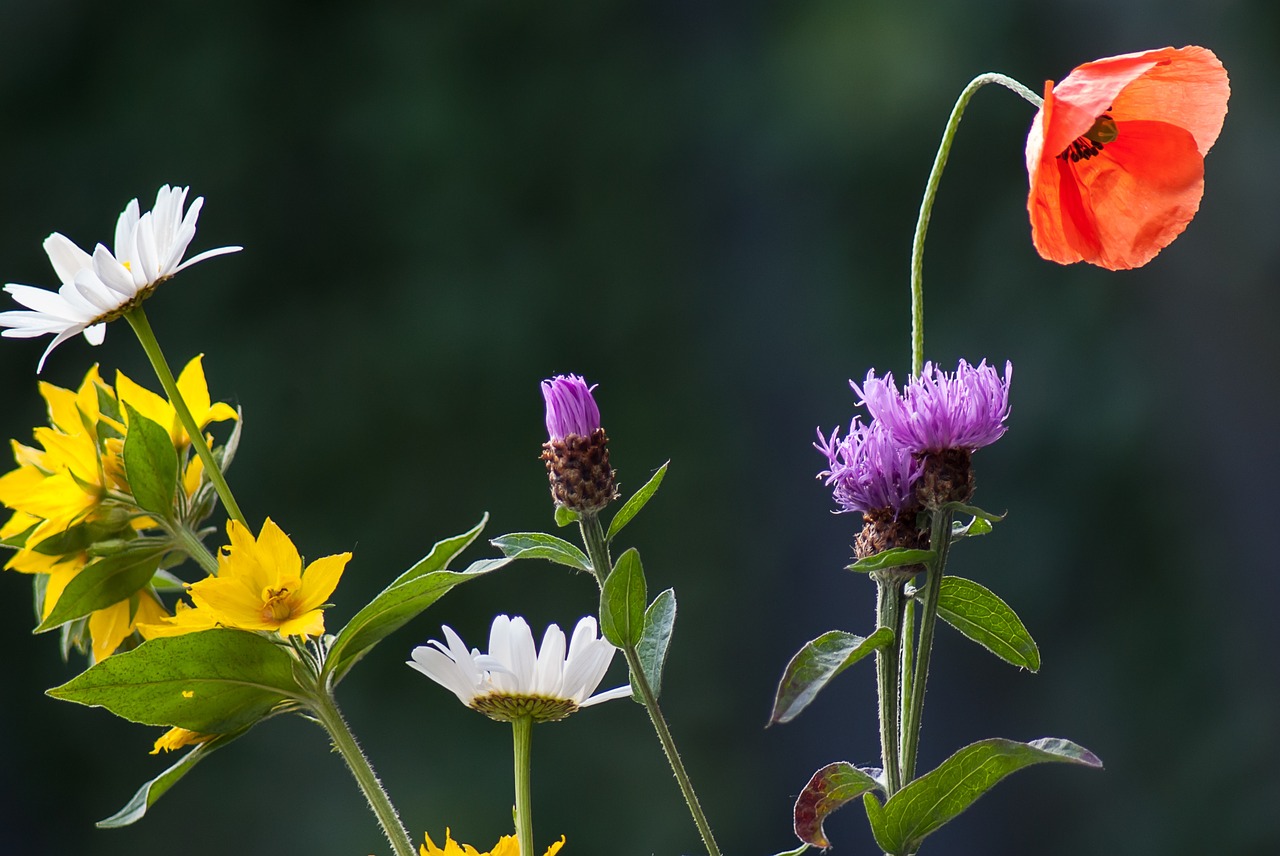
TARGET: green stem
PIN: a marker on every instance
(522, 736)
(906, 654)
(326, 711)
(940, 541)
(137, 319)
(194, 547)
(931, 193)
(889, 606)
(601, 565)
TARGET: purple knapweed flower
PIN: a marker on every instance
(867, 470)
(577, 450)
(571, 409)
(939, 411)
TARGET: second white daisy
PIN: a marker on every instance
(514, 680)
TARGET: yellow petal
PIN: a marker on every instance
(276, 552)
(108, 627)
(321, 578)
(150, 405)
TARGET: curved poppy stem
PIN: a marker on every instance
(931, 193)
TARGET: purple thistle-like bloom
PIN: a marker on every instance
(571, 409)
(938, 411)
(868, 470)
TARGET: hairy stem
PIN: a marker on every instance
(931, 193)
(889, 606)
(522, 738)
(137, 319)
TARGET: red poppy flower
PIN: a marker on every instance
(1116, 155)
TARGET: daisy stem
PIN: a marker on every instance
(326, 710)
(931, 193)
(598, 551)
(889, 612)
(522, 734)
(137, 319)
(940, 540)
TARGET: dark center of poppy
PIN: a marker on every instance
(1102, 131)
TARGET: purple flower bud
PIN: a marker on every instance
(867, 470)
(577, 451)
(571, 409)
(937, 412)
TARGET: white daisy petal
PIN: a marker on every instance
(148, 248)
(549, 673)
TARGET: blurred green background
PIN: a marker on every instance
(705, 207)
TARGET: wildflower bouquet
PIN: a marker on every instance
(111, 508)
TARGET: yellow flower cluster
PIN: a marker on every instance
(508, 845)
(70, 493)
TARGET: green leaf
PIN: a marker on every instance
(876, 820)
(565, 516)
(150, 464)
(151, 791)
(801, 849)
(932, 800)
(637, 501)
(893, 558)
(622, 601)
(986, 619)
(973, 511)
(814, 665)
(407, 596)
(75, 539)
(211, 681)
(976, 526)
(537, 545)
(104, 582)
(659, 621)
(833, 786)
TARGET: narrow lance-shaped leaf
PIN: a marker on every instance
(622, 601)
(986, 619)
(973, 511)
(896, 557)
(930, 801)
(636, 501)
(407, 596)
(102, 583)
(539, 545)
(211, 681)
(814, 665)
(659, 621)
(565, 516)
(150, 464)
(833, 786)
(151, 791)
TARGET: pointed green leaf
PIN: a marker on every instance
(986, 619)
(876, 820)
(893, 558)
(104, 582)
(406, 597)
(565, 516)
(659, 621)
(976, 526)
(151, 791)
(814, 665)
(973, 511)
(637, 501)
(75, 539)
(833, 786)
(927, 803)
(150, 464)
(622, 601)
(538, 545)
(212, 681)
(801, 849)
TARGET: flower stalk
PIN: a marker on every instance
(137, 319)
(330, 718)
(913, 709)
(931, 193)
(890, 604)
(522, 744)
(593, 539)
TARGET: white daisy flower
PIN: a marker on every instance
(104, 286)
(514, 680)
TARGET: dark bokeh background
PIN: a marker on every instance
(706, 208)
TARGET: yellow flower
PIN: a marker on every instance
(112, 624)
(261, 585)
(507, 845)
(175, 738)
(195, 392)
